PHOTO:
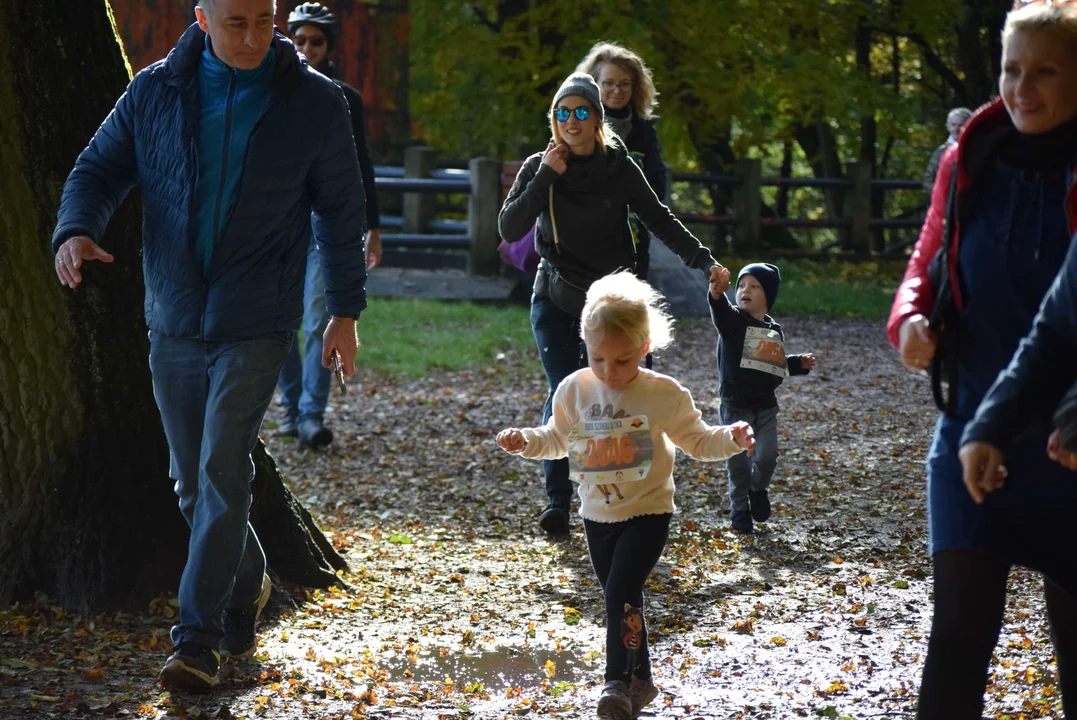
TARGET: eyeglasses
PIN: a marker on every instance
(610, 86)
(313, 41)
(562, 113)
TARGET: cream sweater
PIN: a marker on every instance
(621, 443)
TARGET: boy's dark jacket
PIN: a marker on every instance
(744, 387)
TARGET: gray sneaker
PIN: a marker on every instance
(613, 703)
(641, 693)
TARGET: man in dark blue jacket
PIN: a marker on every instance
(241, 151)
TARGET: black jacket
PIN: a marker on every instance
(642, 143)
(358, 116)
(1041, 372)
(738, 386)
(592, 201)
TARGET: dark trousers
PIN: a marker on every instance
(970, 598)
(623, 554)
(557, 336)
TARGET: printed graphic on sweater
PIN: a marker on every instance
(764, 351)
(610, 450)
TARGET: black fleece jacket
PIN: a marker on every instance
(744, 387)
(591, 202)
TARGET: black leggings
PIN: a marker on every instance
(623, 555)
(970, 598)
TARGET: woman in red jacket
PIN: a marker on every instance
(1003, 210)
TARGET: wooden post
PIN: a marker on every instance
(419, 208)
(483, 206)
(747, 205)
(858, 206)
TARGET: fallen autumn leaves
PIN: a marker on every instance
(458, 607)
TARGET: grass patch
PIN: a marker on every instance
(411, 336)
(835, 289)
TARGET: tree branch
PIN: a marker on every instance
(933, 60)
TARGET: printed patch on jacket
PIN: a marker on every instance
(764, 351)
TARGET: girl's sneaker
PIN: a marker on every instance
(613, 703)
(640, 694)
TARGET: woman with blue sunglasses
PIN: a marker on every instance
(578, 194)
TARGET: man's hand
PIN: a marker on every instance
(719, 280)
(556, 157)
(340, 336)
(744, 436)
(916, 343)
(70, 256)
(807, 361)
(983, 469)
(373, 249)
(1064, 458)
(511, 441)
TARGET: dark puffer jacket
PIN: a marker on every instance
(300, 158)
(591, 202)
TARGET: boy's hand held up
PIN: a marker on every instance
(511, 441)
(744, 436)
(808, 361)
(719, 281)
(1056, 452)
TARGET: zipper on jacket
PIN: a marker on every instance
(224, 163)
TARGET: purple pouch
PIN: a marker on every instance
(520, 254)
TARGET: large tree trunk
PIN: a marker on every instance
(87, 513)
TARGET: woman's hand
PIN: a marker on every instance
(983, 469)
(917, 343)
(511, 441)
(1065, 458)
(556, 157)
(744, 436)
(719, 280)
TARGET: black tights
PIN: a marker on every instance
(970, 598)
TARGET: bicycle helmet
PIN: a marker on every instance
(312, 13)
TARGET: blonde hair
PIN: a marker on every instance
(1062, 18)
(623, 303)
(603, 134)
(644, 95)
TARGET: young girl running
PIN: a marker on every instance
(619, 424)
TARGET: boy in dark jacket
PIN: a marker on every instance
(751, 364)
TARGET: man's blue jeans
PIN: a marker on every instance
(557, 335)
(212, 396)
(304, 383)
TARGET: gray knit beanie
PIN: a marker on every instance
(584, 86)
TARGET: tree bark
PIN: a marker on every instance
(87, 513)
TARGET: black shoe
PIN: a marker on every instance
(288, 428)
(240, 624)
(760, 504)
(741, 521)
(313, 434)
(191, 667)
(554, 520)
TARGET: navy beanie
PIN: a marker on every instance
(768, 276)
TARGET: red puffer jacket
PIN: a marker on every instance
(974, 148)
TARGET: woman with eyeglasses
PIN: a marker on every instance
(1003, 211)
(629, 99)
(304, 382)
(580, 190)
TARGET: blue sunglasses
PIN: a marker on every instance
(562, 113)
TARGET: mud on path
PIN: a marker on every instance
(460, 608)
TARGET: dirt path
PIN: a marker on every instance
(460, 608)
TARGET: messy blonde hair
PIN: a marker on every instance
(604, 134)
(623, 303)
(644, 96)
(1062, 18)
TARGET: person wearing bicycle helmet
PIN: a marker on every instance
(304, 382)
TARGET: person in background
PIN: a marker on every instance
(629, 99)
(955, 120)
